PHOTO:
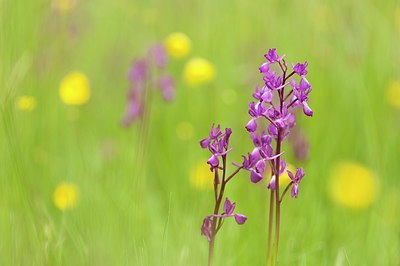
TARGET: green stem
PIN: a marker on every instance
(277, 200)
(219, 197)
(211, 252)
(270, 222)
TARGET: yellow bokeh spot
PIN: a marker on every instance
(284, 179)
(393, 94)
(353, 185)
(64, 5)
(185, 131)
(65, 196)
(26, 103)
(198, 71)
(178, 45)
(201, 177)
(75, 89)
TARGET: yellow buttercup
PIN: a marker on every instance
(65, 196)
(26, 103)
(75, 89)
(178, 45)
(353, 185)
(284, 179)
(201, 177)
(64, 5)
(393, 94)
(198, 71)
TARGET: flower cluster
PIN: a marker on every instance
(277, 108)
(142, 75)
(218, 144)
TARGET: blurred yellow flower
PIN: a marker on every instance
(65, 196)
(178, 45)
(198, 71)
(64, 5)
(75, 89)
(393, 94)
(26, 103)
(185, 131)
(353, 185)
(284, 179)
(201, 177)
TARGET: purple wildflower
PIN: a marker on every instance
(280, 95)
(301, 92)
(272, 55)
(272, 81)
(142, 76)
(139, 71)
(134, 108)
(229, 207)
(300, 145)
(167, 86)
(265, 94)
(240, 218)
(301, 69)
(206, 227)
(217, 143)
(281, 118)
(159, 55)
(264, 68)
(296, 181)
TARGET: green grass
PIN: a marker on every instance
(128, 216)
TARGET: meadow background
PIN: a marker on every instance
(150, 213)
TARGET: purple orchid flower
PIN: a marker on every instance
(142, 76)
(159, 55)
(218, 144)
(228, 211)
(206, 227)
(139, 71)
(296, 181)
(272, 55)
(276, 101)
(264, 68)
(167, 86)
(272, 81)
(277, 107)
(300, 69)
(263, 95)
(301, 95)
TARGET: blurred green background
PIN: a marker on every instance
(148, 213)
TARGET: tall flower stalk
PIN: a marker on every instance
(147, 75)
(283, 91)
(218, 144)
